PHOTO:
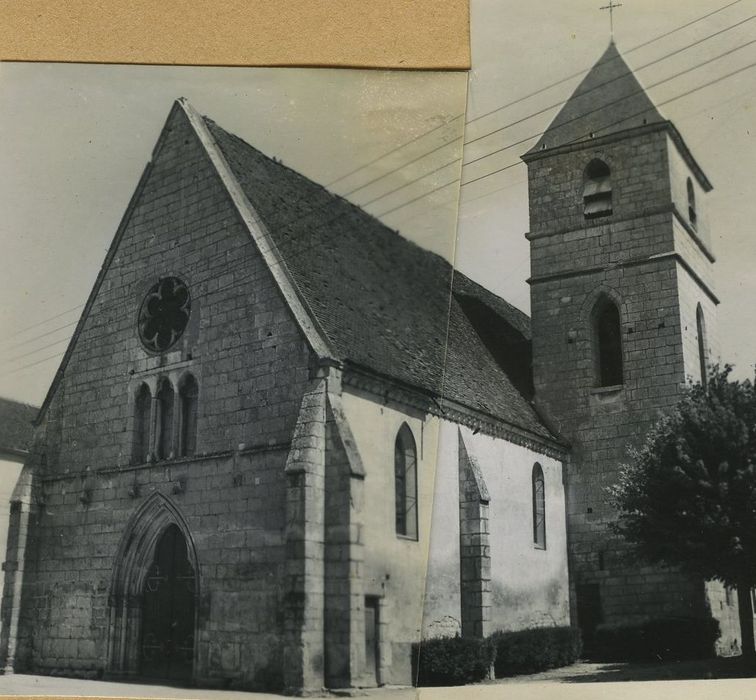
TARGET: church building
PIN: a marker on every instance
(285, 443)
(232, 478)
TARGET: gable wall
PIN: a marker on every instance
(251, 364)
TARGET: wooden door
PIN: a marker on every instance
(371, 641)
(167, 649)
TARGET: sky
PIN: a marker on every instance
(74, 140)
(519, 48)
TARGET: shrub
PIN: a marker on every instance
(451, 661)
(665, 639)
(534, 650)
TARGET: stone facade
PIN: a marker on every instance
(252, 370)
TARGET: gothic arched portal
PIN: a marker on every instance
(154, 596)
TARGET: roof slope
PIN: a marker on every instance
(16, 428)
(382, 301)
(609, 99)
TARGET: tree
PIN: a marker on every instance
(688, 497)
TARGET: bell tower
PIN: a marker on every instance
(622, 299)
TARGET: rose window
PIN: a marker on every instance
(164, 314)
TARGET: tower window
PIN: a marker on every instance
(405, 483)
(142, 413)
(165, 421)
(539, 507)
(703, 353)
(692, 217)
(188, 431)
(608, 342)
(597, 190)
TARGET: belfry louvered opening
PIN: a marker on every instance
(597, 190)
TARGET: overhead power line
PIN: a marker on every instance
(612, 80)
(602, 107)
(41, 335)
(620, 121)
(233, 269)
(331, 183)
(577, 74)
(401, 167)
(394, 150)
(441, 126)
(446, 184)
(41, 323)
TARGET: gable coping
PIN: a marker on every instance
(266, 246)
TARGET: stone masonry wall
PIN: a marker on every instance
(9, 472)
(474, 547)
(251, 364)
(626, 257)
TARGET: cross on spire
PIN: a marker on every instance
(611, 7)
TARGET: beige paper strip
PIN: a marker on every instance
(431, 34)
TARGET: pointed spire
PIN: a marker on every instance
(609, 99)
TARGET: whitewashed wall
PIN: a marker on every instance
(530, 586)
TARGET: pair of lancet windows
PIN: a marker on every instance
(405, 479)
(166, 426)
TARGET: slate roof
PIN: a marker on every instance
(381, 301)
(609, 99)
(16, 428)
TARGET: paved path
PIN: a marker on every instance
(577, 682)
(21, 684)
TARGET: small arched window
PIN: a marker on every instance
(692, 216)
(608, 342)
(188, 395)
(703, 351)
(405, 483)
(597, 190)
(539, 507)
(142, 413)
(165, 421)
